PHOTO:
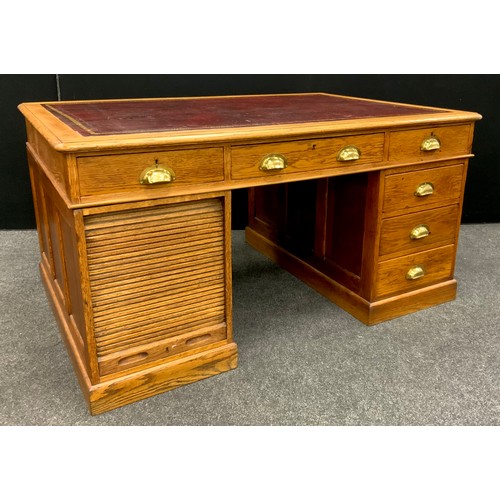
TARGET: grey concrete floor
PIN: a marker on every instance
(302, 360)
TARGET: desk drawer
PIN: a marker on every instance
(305, 156)
(100, 175)
(415, 232)
(420, 189)
(429, 143)
(414, 271)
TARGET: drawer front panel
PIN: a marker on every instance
(100, 175)
(305, 156)
(414, 232)
(155, 274)
(451, 141)
(444, 187)
(427, 267)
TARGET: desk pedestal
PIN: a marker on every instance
(341, 237)
(141, 290)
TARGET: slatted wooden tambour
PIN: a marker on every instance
(156, 277)
(361, 199)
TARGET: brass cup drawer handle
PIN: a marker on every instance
(273, 162)
(349, 153)
(432, 143)
(419, 232)
(157, 174)
(424, 189)
(415, 272)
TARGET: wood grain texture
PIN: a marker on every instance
(228, 266)
(405, 145)
(40, 209)
(410, 302)
(142, 356)
(459, 215)
(68, 335)
(58, 246)
(86, 297)
(155, 273)
(105, 175)
(400, 188)
(54, 162)
(372, 232)
(304, 156)
(391, 274)
(395, 231)
(130, 388)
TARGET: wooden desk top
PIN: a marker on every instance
(115, 124)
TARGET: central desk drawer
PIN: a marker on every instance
(296, 157)
(168, 171)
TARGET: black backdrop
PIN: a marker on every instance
(478, 93)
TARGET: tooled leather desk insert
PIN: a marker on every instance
(162, 115)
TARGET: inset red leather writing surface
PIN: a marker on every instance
(138, 116)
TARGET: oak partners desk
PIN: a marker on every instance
(133, 210)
